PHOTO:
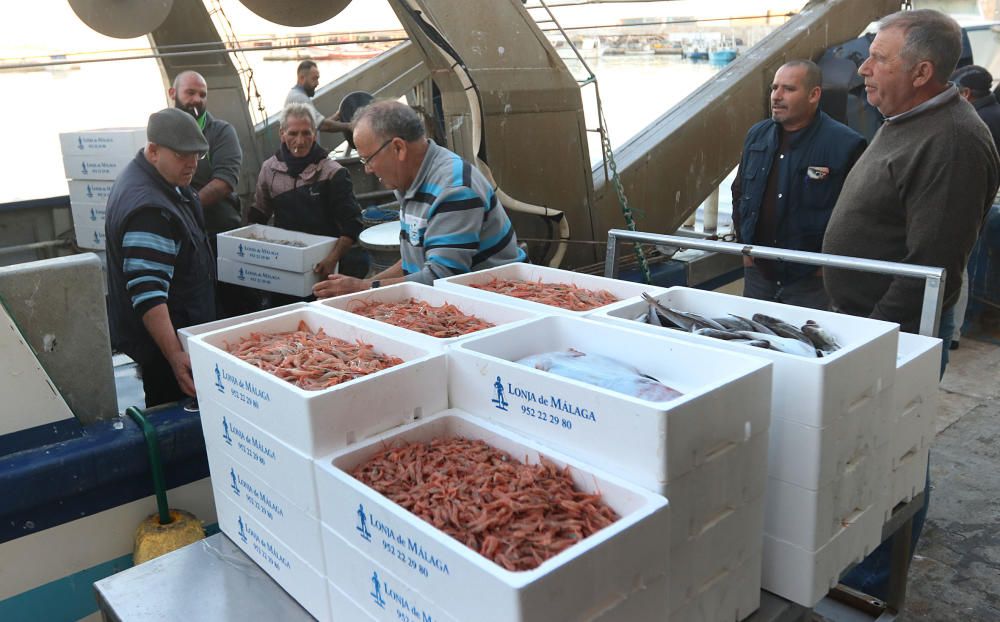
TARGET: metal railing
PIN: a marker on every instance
(934, 278)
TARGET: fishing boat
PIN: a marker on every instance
(722, 56)
(80, 481)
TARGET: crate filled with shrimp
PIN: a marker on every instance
(545, 290)
(465, 520)
(274, 248)
(646, 408)
(426, 315)
(314, 381)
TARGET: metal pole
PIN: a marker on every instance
(934, 278)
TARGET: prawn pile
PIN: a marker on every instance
(260, 238)
(562, 295)
(443, 321)
(310, 360)
(514, 514)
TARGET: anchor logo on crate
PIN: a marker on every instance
(90, 192)
(234, 485)
(79, 143)
(241, 276)
(93, 215)
(218, 379)
(83, 166)
(239, 250)
(97, 238)
(243, 536)
(376, 592)
(225, 432)
(499, 401)
(363, 523)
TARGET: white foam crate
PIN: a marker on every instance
(732, 596)
(304, 583)
(269, 279)
(379, 592)
(486, 310)
(854, 382)
(805, 576)
(347, 609)
(81, 191)
(915, 397)
(810, 518)
(115, 142)
(574, 584)
(94, 167)
(908, 478)
(722, 545)
(236, 245)
(317, 422)
(90, 236)
(527, 272)
(726, 396)
(262, 500)
(88, 214)
(261, 454)
(184, 334)
(646, 604)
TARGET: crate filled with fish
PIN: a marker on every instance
(275, 248)
(315, 381)
(426, 315)
(647, 408)
(465, 520)
(545, 290)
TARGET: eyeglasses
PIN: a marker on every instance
(367, 159)
(201, 155)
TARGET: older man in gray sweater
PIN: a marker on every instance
(918, 195)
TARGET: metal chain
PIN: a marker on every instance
(609, 157)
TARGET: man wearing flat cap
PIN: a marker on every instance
(161, 269)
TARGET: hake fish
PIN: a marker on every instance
(782, 344)
(820, 338)
(781, 328)
(688, 321)
(603, 372)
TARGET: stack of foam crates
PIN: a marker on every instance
(706, 451)
(92, 160)
(272, 259)
(827, 466)
(263, 435)
(911, 425)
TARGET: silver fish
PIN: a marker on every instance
(823, 340)
(782, 344)
(754, 326)
(781, 328)
(687, 321)
(719, 334)
(733, 323)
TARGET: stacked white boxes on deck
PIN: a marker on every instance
(92, 160)
(263, 434)
(828, 464)
(261, 257)
(911, 426)
(706, 451)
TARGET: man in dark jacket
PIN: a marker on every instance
(793, 167)
(161, 268)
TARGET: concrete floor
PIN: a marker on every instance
(955, 573)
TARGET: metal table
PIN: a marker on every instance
(214, 580)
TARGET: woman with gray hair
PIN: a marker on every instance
(302, 189)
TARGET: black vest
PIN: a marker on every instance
(191, 298)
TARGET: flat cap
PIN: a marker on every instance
(177, 130)
(973, 77)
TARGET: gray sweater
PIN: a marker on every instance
(918, 195)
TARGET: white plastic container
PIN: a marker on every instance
(269, 279)
(527, 272)
(262, 455)
(908, 479)
(347, 609)
(317, 422)
(94, 167)
(726, 396)
(237, 246)
(485, 310)
(732, 595)
(89, 191)
(263, 500)
(90, 215)
(305, 584)
(200, 329)
(116, 142)
(91, 236)
(446, 572)
(915, 398)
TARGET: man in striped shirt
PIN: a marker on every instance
(161, 269)
(451, 221)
